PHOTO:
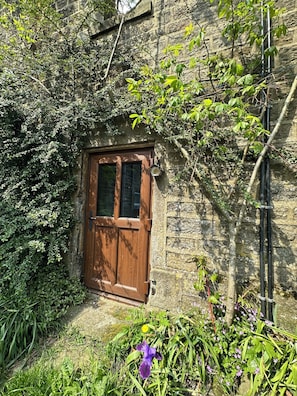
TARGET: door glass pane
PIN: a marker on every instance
(106, 186)
(130, 189)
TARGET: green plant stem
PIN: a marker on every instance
(210, 306)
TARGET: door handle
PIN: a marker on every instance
(91, 218)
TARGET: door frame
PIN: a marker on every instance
(112, 151)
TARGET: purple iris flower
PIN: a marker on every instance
(148, 354)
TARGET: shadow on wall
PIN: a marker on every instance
(203, 11)
(198, 13)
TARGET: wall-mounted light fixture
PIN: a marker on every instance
(155, 169)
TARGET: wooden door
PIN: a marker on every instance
(118, 224)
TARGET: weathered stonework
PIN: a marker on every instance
(184, 222)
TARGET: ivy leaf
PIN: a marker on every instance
(239, 69)
(213, 300)
(174, 49)
(233, 102)
(249, 90)
(220, 108)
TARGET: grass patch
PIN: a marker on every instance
(111, 331)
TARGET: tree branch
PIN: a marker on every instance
(198, 174)
(266, 147)
(114, 48)
(38, 81)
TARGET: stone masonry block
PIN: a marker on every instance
(181, 207)
(183, 262)
(183, 244)
(166, 290)
(189, 226)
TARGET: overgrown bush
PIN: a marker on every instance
(52, 95)
(54, 292)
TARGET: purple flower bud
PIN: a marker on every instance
(239, 373)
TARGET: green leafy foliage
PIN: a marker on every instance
(180, 339)
(244, 20)
(54, 292)
(274, 352)
(46, 380)
(37, 165)
(208, 106)
(195, 358)
(18, 332)
(197, 355)
(52, 96)
(210, 119)
(22, 321)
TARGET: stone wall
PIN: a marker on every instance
(284, 186)
(68, 7)
(184, 222)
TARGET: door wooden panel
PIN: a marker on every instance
(118, 224)
(105, 254)
(128, 257)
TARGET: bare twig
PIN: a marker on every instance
(39, 82)
(114, 48)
